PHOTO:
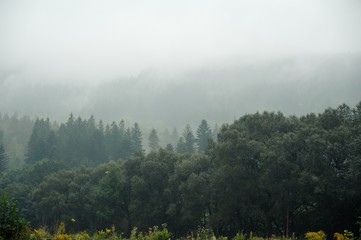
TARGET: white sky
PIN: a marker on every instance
(91, 40)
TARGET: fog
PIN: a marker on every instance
(173, 62)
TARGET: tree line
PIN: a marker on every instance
(84, 142)
(266, 173)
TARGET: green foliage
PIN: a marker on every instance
(102, 234)
(83, 142)
(81, 236)
(42, 141)
(186, 143)
(320, 235)
(266, 173)
(60, 229)
(204, 134)
(12, 224)
(240, 236)
(169, 148)
(181, 146)
(136, 139)
(133, 234)
(40, 233)
(153, 234)
(158, 234)
(63, 237)
(189, 140)
(203, 234)
(348, 235)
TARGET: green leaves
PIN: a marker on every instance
(12, 224)
(266, 173)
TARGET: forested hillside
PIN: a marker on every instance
(266, 172)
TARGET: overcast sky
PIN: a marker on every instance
(89, 40)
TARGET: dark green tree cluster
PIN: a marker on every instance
(146, 190)
(277, 174)
(267, 173)
(42, 141)
(83, 142)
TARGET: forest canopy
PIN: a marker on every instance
(266, 172)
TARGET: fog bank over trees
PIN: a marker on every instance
(172, 63)
(219, 92)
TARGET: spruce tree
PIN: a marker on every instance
(203, 136)
(181, 146)
(153, 141)
(136, 139)
(42, 141)
(189, 140)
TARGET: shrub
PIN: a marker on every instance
(202, 234)
(82, 236)
(347, 235)
(240, 236)
(39, 234)
(62, 237)
(111, 234)
(338, 236)
(12, 224)
(320, 235)
(157, 234)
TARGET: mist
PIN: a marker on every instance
(170, 63)
(236, 119)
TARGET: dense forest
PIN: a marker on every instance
(266, 172)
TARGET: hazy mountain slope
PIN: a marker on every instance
(222, 94)
(218, 93)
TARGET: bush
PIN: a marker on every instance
(12, 225)
(39, 234)
(157, 234)
(320, 235)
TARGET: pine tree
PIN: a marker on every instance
(153, 141)
(127, 144)
(101, 127)
(114, 141)
(136, 139)
(71, 121)
(42, 141)
(123, 147)
(189, 140)
(181, 146)
(203, 136)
